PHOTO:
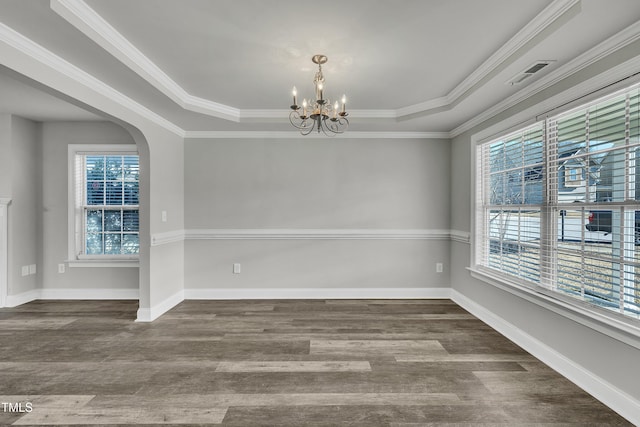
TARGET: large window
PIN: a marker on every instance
(105, 186)
(558, 204)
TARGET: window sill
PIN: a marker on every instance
(103, 263)
(621, 328)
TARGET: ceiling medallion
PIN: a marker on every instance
(320, 114)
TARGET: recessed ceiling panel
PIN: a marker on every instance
(383, 54)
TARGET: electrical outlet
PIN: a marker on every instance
(25, 270)
(61, 268)
(236, 268)
(439, 267)
(32, 269)
(164, 216)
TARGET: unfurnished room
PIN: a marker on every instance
(368, 213)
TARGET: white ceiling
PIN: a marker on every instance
(229, 65)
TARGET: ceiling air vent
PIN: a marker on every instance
(528, 72)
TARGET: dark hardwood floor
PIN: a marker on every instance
(276, 363)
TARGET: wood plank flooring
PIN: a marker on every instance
(277, 363)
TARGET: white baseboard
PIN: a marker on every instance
(89, 294)
(74, 294)
(317, 293)
(624, 404)
(22, 298)
(151, 314)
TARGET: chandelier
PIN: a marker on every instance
(320, 114)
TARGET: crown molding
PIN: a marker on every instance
(600, 51)
(249, 114)
(89, 22)
(98, 29)
(211, 108)
(374, 114)
(264, 114)
(442, 103)
(38, 53)
(296, 135)
(534, 28)
(73, 10)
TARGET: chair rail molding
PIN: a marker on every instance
(317, 234)
(307, 234)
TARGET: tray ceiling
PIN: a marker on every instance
(410, 66)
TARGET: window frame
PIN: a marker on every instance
(617, 325)
(76, 220)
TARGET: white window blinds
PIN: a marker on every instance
(512, 193)
(107, 205)
(558, 204)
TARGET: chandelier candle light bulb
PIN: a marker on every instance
(324, 116)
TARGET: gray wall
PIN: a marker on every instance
(297, 184)
(316, 183)
(609, 359)
(166, 193)
(5, 155)
(56, 137)
(24, 207)
(161, 149)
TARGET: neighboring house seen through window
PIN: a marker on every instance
(575, 231)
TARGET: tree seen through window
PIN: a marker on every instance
(111, 213)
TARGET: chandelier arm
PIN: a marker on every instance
(330, 127)
(306, 130)
(337, 126)
(334, 127)
(302, 123)
(344, 122)
(324, 130)
(319, 110)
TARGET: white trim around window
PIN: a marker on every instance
(75, 258)
(544, 293)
